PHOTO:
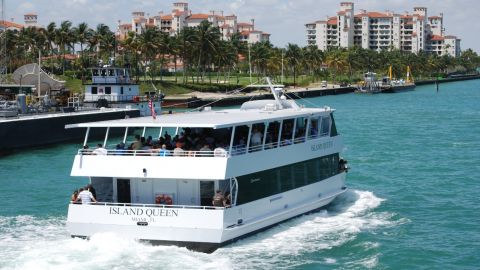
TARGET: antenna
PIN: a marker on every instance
(3, 46)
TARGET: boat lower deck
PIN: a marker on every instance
(202, 228)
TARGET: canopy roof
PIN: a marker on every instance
(208, 119)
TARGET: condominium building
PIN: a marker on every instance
(30, 20)
(181, 16)
(378, 31)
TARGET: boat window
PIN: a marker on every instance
(300, 130)
(313, 129)
(287, 129)
(103, 72)
(207, 191)
(333, 127)
(121, 90)
(111, 72)
(240, 140)
(94, 90)
(325, 126)
(271, 140)
(121, 72)
(267, 183)
(108, 90)
(103, 188)
(115, 137)
(256, 137)
(123, 191)
(95, 72)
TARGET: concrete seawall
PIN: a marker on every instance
(193, 102)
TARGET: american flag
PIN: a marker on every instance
(152, 109)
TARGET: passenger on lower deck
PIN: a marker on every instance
(85, 196)
(218, 199)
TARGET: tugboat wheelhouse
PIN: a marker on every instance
(276, 160)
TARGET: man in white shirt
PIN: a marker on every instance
(85, 196)
(100, 150)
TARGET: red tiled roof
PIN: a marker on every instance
(166, 17)
(245, 33)
(30, 14)
(179, 13)
(406, 17)
(436, 38)
(341, 13)
(435, 17)
(198, 16)
(332, 20)
(67, 57)
(244, 24)
(8, 24)
(375, 14)
(230, 16)
(127, 25)
(450, 37)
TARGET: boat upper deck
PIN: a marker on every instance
(209, 119)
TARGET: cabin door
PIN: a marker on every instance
(144, 191)
(187, 192)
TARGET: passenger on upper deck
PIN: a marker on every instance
(178, 151)
(137, 145)
(163, 151)
(256, 138)
(100, 150)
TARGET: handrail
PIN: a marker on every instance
(153, 152)
(153, 205)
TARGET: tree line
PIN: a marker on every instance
(206, 55)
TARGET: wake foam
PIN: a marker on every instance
(27, 242)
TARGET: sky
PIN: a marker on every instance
(284, 19)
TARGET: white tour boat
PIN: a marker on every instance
(277, 160)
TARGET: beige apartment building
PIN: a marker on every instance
(181, 16)
(383, 31)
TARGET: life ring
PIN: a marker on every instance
(136, 99)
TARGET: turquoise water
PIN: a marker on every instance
(413, 201)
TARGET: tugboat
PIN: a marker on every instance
(213, 176)
(112, 87)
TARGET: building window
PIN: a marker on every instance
(94, 90)
(108, 90)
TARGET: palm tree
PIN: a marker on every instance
(293, 55)
(336, 60)
(207, 41)
(148, 46)
(130, 47)
(64, 38)
(188, 39)
(81, 33)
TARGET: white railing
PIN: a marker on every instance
(153, 152)
(154, 205)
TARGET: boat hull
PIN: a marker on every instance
(203, 230)
(399, 88)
